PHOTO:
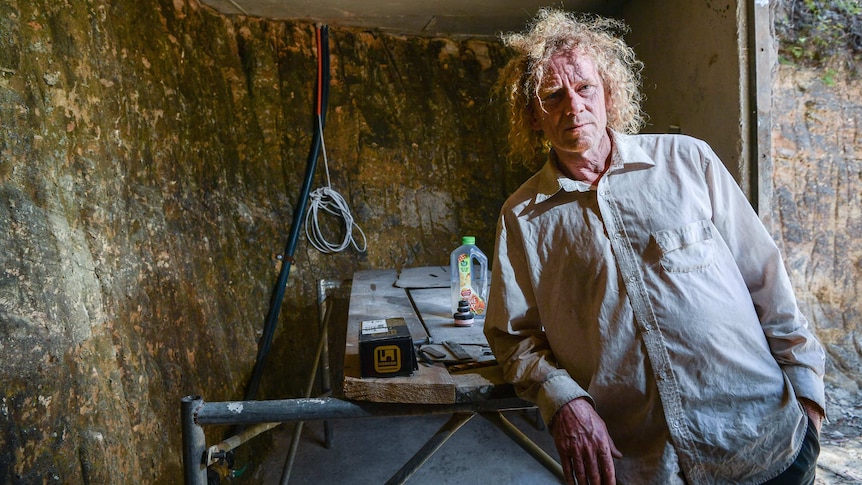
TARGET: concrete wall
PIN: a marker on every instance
(694, 74)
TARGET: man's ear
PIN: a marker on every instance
(535, 124)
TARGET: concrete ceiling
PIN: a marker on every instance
(479, 18)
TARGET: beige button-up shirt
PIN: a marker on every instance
(659, 295)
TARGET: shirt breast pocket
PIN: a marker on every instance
(686, 248)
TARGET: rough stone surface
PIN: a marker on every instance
(817, 146)
(151, 156)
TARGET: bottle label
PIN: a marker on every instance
(465, 285)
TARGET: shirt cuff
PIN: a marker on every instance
(555, 392)
(806, 383)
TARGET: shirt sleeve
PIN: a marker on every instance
(792, 343)
(515, 333)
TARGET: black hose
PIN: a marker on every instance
(321, 101)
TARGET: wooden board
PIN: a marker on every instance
(434, 307)
(424, 277)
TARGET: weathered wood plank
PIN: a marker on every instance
(428, 385)
(433, 305)
(424, 277)
(373, 296)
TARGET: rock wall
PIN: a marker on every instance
(151, 155)
(817, 207)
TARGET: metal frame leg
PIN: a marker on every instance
(321, 360)
(194, 442)
(431, 446)
(324, 309)
(525, 442)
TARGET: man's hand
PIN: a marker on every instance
(814, 412)
(586, 449)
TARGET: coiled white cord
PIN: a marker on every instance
(329, 201)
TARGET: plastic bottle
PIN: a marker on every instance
(469, 276)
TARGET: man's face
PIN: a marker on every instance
(572, 114)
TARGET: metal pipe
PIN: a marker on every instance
(294, 446)
(234, 441)
(326, 375)
(525, 442)
(316, 409)
(431, 446)
(194, 442)
(297, 430)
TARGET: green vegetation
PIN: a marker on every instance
(812, 32)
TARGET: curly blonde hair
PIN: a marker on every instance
(554, 31)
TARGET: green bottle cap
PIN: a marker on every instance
(468, 240)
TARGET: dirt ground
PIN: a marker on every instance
(841, 439)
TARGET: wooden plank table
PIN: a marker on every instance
(421, 297)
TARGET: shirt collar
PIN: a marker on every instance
(625, 152)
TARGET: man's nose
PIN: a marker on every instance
(574, 103)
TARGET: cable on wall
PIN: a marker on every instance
(326, 200)
(322, 97)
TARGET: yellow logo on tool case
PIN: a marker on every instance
(387, 358)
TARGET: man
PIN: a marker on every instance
(635, 296)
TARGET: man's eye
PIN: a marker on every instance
(551, 96)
